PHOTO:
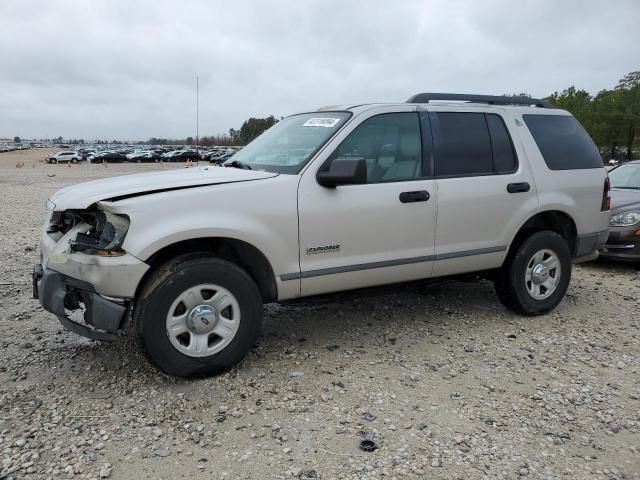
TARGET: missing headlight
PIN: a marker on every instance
(106, 236)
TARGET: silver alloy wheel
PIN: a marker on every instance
(203, 320)
(543, 274)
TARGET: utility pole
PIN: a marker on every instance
(197, 110)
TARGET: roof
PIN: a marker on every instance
(457, 100)
(486, 99)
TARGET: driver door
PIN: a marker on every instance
(381, 232)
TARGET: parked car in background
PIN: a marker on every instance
(166, 156)
(147, 156)
(64, 157)
(86, 153)
(211, 154)
(182, 156)
(109, 157)
(220, 159)
(624, 231)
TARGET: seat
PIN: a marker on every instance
(408, 161)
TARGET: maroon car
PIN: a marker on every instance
(624, 230)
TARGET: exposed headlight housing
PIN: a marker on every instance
(106, 236)
(625, 219)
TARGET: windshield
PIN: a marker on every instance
(289, 144)
(626, 176)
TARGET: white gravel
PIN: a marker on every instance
(448, 383)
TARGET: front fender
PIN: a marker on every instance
(262, 213)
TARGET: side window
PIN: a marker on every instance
(564, 144)
(504, 155)
(462, 144)
(391, 145)
(471, 144)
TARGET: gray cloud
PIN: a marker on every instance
(121, 69)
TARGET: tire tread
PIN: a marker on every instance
(146, 298)
(507, 279)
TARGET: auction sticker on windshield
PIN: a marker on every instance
(321, 122)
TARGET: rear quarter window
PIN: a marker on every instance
(563, 142)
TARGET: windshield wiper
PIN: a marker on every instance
(627, 188)
(237, 164)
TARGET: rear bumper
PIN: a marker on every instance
(58, 293)
(623, 244)
(588, 244)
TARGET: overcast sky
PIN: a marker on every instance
(127, 69)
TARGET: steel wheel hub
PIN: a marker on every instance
(203, 320)
(542, 274)
(539, 274)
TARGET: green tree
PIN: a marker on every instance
(628, 93)
(16, 140)
(234, 135)
(579, 103)
(608, 120)
(629, 81)
(612, 117)
(255, 126)
(189, 141)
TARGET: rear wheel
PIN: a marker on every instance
(199, 315)
(535, 276)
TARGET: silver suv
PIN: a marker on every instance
(342, 198)
(66, 156)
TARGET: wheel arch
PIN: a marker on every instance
(243, 254)
(555, 220)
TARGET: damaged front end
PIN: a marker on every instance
(96, 231)
(101, 318)
(85, 277)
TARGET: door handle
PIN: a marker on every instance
(412, 197)
(518, 187)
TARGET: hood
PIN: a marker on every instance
(86, 194)
(624, 199)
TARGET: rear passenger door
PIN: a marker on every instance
(485, 188)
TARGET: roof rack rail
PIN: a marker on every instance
(490, 99)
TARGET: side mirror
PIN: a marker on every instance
(344, 171)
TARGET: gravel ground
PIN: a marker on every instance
(449, 383)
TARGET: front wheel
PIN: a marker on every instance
(535, 276)
(199, 315)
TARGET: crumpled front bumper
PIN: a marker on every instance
(55, 291)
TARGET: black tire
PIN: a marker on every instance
(54, 160)
(166, 284)
(510, 282)
(74, 160)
